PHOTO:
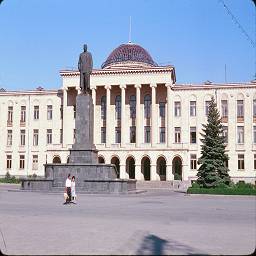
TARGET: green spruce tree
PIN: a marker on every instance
(212, 171)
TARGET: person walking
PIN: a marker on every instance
(73, 188)
(68, 189)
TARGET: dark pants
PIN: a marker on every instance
(85, 81)
(69, 194)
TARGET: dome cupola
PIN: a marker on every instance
(129, 54)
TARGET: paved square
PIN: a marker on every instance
(155, 222)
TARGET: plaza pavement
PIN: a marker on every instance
(155, 222)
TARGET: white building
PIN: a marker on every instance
(144, 122)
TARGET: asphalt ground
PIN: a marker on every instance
(157, 222)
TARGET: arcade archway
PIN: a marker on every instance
(177, 168)
(161, 168)
(116, 162)
(145, 167)
(130, 167)
(56, 160)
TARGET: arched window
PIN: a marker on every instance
(147, 106)
(132, 106)
(118, 107)
(103, 107)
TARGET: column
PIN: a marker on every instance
(154, 125)
(169, 114)
(94, 95)
(123, 123)
(95, 129)
(78, 90)
(138, 116)
(138, 172)
(108, 121)
(153, 172)
(169, 175)
(64, 120)
(122, 171)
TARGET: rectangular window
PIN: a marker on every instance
(23, 114)
(22, 137)
(254, 108)
(192, 108)
(61, 112)
(74, 109)
(162, 134)
(254, 134)
(9, 137)
(162, 109)
(240, 162)
(22, 161)
(35, 137)
(118, 134)
(132, 134)
(74, 136)
(49, 136)
(207, 104)
(103, 134)
(36, 112)
(61, 136)
(9, 162)
(224, 108)
(225, 133)
(240, 134)
(177, 108)
(147, 134)
(133, 106)
(49, 112)
(177, 134)
(10, 115)
(240, 108)
(254, 165)
(192, 134)
(35, 162)
(193, 162)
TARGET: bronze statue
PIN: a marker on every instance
(85, 68)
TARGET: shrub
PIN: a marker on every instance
(7, 175)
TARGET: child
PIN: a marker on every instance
(73, 188)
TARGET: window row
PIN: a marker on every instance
(240, 162)
(147, 134)
(177, 108)
(193, 162)
(35, 137)
(36, 114)
(22, 162)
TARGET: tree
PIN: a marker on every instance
(212, 171)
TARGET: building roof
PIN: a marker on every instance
(129, 54)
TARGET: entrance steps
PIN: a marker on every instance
(172, 185)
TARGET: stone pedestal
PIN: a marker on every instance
(83, 150)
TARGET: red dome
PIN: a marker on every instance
(129, 53)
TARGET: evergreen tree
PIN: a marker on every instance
(212, 171)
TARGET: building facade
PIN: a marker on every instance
(144, 123)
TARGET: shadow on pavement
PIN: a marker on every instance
(154, 245)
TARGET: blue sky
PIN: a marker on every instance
(39, 38)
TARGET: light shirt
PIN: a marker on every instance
(68, 183)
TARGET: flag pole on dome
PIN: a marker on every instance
(130, 31)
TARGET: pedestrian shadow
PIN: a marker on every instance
(154, 245)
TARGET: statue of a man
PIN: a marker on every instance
(85, 68)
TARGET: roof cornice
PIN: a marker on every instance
(213, 86)
(116, 71)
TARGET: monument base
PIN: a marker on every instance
(90, 178)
